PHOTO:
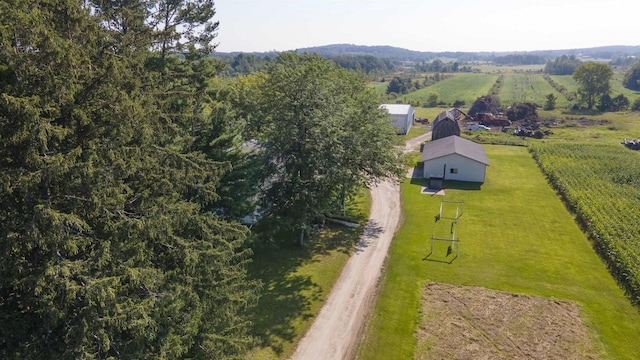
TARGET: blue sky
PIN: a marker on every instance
(427, 25)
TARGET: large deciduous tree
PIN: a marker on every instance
(593, 79)
(323, 135)
(108, 249)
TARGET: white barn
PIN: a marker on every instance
(402, 116)
(454, 158)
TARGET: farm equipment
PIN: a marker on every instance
(422, 120)
(488, 119)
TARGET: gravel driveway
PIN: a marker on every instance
(337, 329)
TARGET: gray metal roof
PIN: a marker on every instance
(446, 124)
(451, 114)
(397, 109)
(454, 145)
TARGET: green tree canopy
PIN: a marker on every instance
(324, 137)
(632, 78)
(563, 65)
(550, 103)
(108, 249)
(593, 79)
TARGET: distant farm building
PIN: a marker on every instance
(402, 116)
(453, 158)
(446, 124)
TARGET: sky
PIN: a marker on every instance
(427, 25)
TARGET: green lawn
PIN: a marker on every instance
(517, 236)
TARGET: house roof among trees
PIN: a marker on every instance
(454, 145)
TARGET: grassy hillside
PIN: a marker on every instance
(380, 87)
(466, 87)
(617, 88)
(528, 88)
(516, 235)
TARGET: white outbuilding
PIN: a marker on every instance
(402, 116)
(454, 158)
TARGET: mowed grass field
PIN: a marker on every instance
(466, 87)
(517, 236)
(532, 88)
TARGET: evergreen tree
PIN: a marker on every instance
(108, 248)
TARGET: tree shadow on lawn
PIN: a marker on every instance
(288, 295)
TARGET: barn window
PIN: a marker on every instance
(453, 170)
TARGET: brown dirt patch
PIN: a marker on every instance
(462, 322)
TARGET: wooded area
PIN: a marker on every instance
(127, 165)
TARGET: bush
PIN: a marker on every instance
(432, 100)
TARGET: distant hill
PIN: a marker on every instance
(394, 53)
(400, 54)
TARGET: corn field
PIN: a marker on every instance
(601, 184)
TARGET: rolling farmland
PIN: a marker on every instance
(517, 86)
(528, 88)
(617, 88)
(466, 87)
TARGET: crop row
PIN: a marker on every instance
(601, 184)
(570, 96)
(464, 87)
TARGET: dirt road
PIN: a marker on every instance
(336, 330)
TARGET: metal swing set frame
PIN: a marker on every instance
(454, 222)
